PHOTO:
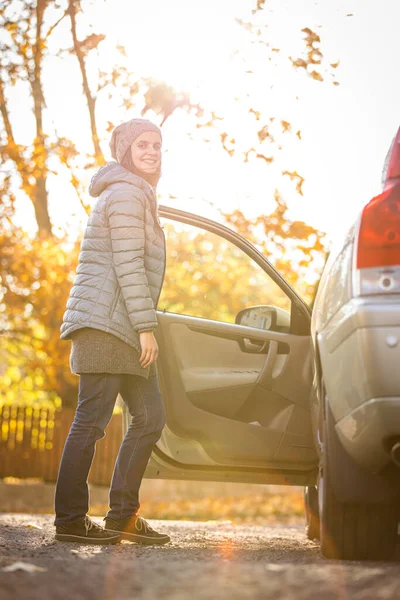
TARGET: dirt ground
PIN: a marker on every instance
(204, 560)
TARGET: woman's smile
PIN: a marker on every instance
(151, 162)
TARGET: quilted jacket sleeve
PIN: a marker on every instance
(127, 229)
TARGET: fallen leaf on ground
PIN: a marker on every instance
(21, 566)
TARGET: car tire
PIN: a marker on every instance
(312, 512)
(352, 531)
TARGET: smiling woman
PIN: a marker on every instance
(146, 152)
(110, 317)
(144, 157)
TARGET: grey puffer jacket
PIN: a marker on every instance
(122, 259)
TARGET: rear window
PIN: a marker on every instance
(386, 163)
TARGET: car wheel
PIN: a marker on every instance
(312, 512)
(352, 531)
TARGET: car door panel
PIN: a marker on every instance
(210, 397)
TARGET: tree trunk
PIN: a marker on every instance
(40, 199)
(91, 101)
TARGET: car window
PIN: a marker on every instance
(337, 285)
(386, 163)
(209, 277)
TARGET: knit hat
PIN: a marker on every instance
(125, 134)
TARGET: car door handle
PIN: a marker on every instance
(257, 348)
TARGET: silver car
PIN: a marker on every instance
(253, 394)
(356, 413)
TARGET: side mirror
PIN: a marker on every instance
(270, 318)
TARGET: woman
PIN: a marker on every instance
(110, 317)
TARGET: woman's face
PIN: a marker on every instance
(146, 152)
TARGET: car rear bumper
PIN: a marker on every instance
(360, 356)
(365, 432)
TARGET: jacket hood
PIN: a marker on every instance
(114, 172)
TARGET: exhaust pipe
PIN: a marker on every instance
(395, 454)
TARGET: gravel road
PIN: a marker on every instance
(203, 561)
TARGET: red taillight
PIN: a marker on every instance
(393, 166)
(379, 236)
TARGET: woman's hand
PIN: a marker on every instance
(149, 346)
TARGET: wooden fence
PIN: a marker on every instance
(32, 441)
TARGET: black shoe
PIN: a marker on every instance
(85, 531)
(135, 529)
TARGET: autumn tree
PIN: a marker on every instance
(21, 58)
(296, 249)
(208, 276)
(36, 272)
(36, 276)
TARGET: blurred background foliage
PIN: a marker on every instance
(37, 270)
(207, 276)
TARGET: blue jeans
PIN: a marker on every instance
(97, 396)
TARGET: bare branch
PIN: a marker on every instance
(52, 28)
(91, 101)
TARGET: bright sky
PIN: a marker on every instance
(346, 129)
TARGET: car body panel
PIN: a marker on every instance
(363, 430)
(334, 292)
(360, 354)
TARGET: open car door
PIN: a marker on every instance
(234, 365)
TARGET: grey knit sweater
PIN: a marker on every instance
(95, 351)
